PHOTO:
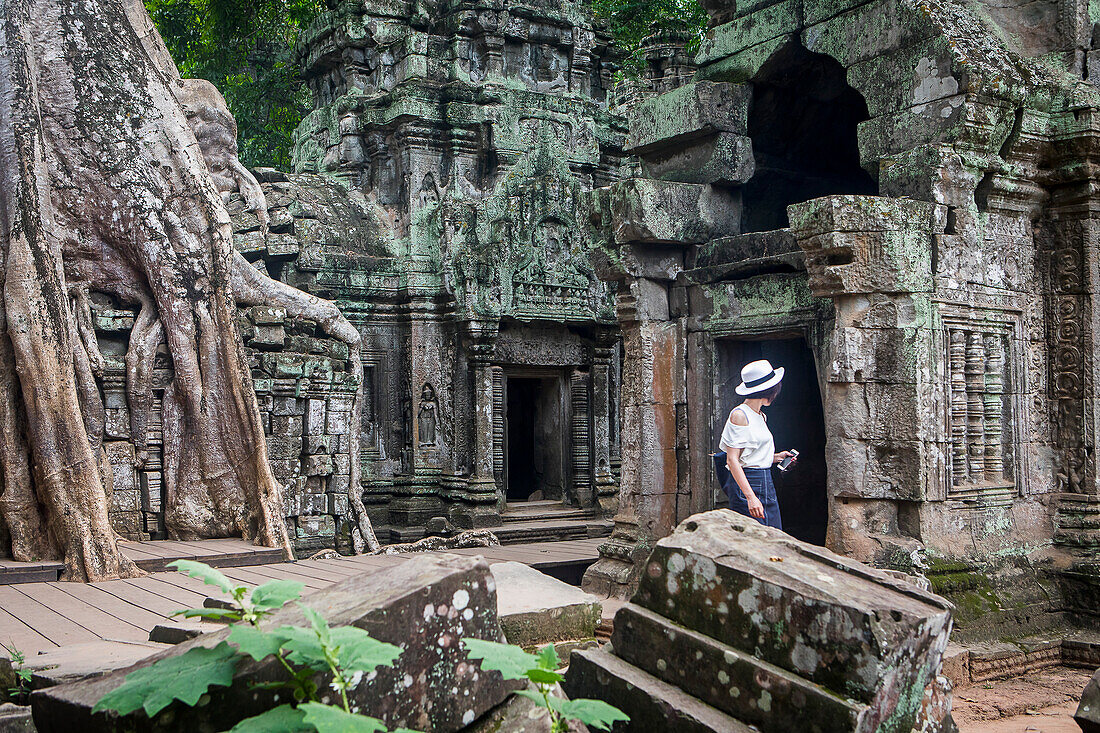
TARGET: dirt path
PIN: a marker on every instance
(1039, 702)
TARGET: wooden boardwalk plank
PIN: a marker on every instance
(102, 624)
(184, 597)
(95, 595)
(19, 635)
(47, 622)
(129, 592)
(253, 576)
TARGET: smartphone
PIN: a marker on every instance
(786, 462)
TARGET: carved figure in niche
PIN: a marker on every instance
(430, 193)
(426, 416)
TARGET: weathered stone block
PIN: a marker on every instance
(721, 158)
(536, 609)
(695, 110)
(770, 631)
(750, 30)
(15, 719)
(644, 210)
(1088, 711)
(427, 605)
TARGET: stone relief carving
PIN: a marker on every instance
(427, 418)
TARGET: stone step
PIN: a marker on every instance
(653, 705)
(554, 510)
(751, 690)
(552, 530)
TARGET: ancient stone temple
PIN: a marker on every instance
(456, 144)
(893, 199)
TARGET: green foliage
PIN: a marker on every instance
(23, 675)
(634, 21)
(244, 47)
(345, 653)
(541, 670)
(185, 678)
(247, 606)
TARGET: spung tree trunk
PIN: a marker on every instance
(105, 187)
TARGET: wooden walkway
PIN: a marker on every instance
(153, 557)
(37, 617)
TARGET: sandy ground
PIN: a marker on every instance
(1039, 702)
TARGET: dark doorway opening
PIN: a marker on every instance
(534, 432)
(796, 421)
(802, 122)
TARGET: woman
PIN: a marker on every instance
(747, 448)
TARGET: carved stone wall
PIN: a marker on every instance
(938, 263)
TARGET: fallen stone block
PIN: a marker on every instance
(774, 633)
(536, 609)
(652, 704)
(88, 659)
(1088, 711)
(426, 605)
(177, 632)
(15, 719)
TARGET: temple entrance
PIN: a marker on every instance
(535, 433)
(796, 421)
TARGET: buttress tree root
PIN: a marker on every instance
(104, 187)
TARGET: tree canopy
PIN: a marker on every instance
(244, 48)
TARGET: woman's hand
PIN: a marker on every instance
(780, 456)
(756, 509)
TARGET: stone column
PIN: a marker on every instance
(651, 224)
(873, 257)
(1070, 252)
(605, 486)
(481, 504)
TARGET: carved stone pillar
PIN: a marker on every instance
(653, 381)
(480, 506)
(1071, 255)
(580, 438)
(606, 488)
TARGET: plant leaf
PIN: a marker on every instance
(544, 676)
(185, 677)
(283, 719)
(548, 658)
(510, 661)
(535, 697)
(330, 719)
(205, 573)
(317, 621)
(359, 651)
(276, 593)
(594, 713)
(255, 643)
(217, 614)
(303, 646)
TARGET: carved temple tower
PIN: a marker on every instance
(473, 131)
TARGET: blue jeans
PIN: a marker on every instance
(760, 479)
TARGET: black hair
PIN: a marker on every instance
(771, 393)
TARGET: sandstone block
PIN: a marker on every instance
(15, 719)
(536, 609)
(1088, 711)
(695, 110)
(427, 605)
(644, 210)
(745, 622)
(720, 158)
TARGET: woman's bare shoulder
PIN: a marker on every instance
(737, 417)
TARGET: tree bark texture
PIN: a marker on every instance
(112, 177)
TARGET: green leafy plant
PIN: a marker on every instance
(18, 659)
(542, 671)
(307, 653)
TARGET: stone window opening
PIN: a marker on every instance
(802, 122)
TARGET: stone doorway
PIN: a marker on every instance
(534, 434)
(796, 421)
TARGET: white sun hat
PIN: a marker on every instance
(757, 376)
